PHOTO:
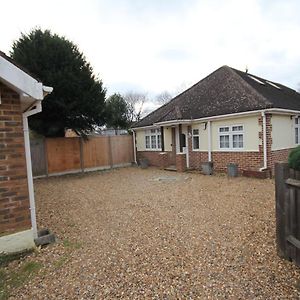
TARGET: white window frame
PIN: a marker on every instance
(153, 134)
(195, 135)
(231, 133)
(297, 129)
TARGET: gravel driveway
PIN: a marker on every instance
(151, 234)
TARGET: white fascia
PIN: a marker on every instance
(20, 81)
(227, 116)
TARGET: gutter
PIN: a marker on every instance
(134, 147)
(34, 109)
(264, 141)
(205, 119)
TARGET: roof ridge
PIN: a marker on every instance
(246, 84)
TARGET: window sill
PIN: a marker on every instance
(232, 150)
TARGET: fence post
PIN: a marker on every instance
(281, 174)
(81, 154)
(110, 152)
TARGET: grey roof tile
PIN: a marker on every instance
(225, 91)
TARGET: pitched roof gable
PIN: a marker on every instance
(225, 91)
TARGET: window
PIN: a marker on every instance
(153, 139)
(297, 128)
(256, 79)
(231, 137)
(196, 139)
(147, 140)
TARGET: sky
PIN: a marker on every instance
(167, 45)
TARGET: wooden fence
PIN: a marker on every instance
(53, 156)
(287, 191)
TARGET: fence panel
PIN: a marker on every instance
(121, 149)
(96, 152)
(287, 184)
(38, 157)
(63, 154)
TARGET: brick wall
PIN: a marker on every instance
(278, 155)
(155, 158)
(181, 162)
(14, 200)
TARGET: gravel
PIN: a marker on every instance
(126, 234)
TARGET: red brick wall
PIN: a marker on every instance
(245, 160)
(278, 155)
(181, 162)
(14, 200)
(155, 158)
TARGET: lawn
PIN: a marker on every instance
(137, 234)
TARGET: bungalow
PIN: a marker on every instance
(20, 97)
(230, 116)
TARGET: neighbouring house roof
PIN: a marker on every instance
(225, 91)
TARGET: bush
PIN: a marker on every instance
(294, 159)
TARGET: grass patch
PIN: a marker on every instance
(10, 280)
(5, 259)
(59, 263)
(73, 245)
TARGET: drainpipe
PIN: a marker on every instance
(264, 141)
(209, 140)
(134, 147)
(37, 109)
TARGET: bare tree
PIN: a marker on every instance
(163, 97)
(135, 103)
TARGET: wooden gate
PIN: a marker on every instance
(287, 212)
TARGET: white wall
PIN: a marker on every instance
(283, 132)
(140, 140)
(203, 133)
(251, 132)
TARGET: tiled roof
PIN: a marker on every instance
(225, 91)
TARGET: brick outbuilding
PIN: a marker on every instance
(20, 97)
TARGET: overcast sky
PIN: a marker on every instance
(157, 45)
